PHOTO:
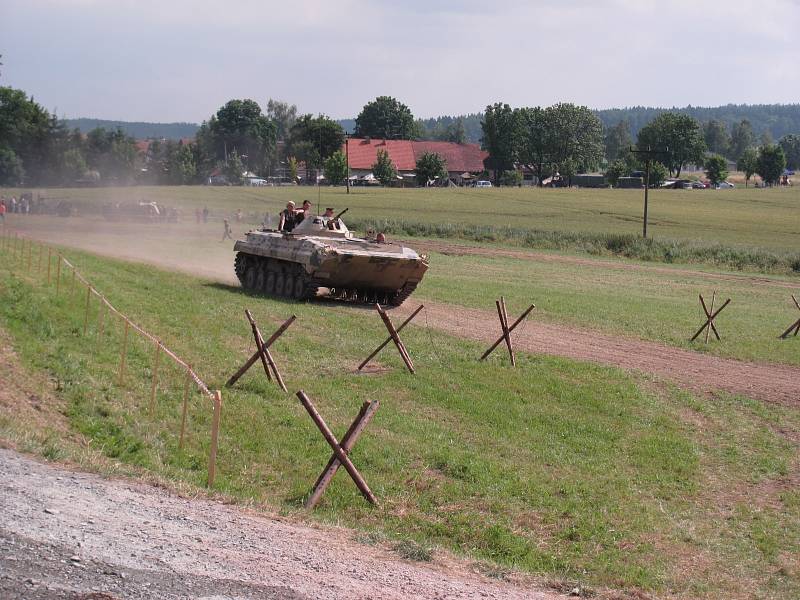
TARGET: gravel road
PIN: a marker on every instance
(80, 536)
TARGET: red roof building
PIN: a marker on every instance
(461, 158)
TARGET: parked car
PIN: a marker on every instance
(724, 185)
(483, 183)
(699, 185)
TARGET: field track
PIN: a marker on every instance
(693, 370)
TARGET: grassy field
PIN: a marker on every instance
(742, 218)
(579, 473)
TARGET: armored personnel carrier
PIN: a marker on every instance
(322, 255)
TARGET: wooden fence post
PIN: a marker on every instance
(49, 255)
(156, 360)
(39, 263)
(58, 273)
(72, 285)
(124, 352)
(185, 405)
(100, 315)
(30, 245)
(86, 313)
(212, 458)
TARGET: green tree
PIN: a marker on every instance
(315, 139)
(619, 168)
(748, 163)
(239, 126)
(291, 162)
(576, 138)
(791, 148)
(680, 134)
(742, 138)
(658, 173)
(181, 168)
(336, 168)
(716, 137)
(11, 171)
(283, 115)
(384, 169)
(73, 166)
(430, 166)
(512, 178)
(771, 164)
(502, 135)
(716, 168)
(618, 141)
(536, 145)
(386, 118)
(233, 169)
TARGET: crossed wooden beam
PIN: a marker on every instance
(341, 450)
(506, 336)
(262, 352)
(795, 325)
(393, 337)
(710, 316)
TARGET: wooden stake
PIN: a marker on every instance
(348, 441)
(156, 361)
(710, 319)
(49, 256)
(337, 449)
(72, 285)
(212, 458)
(794, 326)
(501, 311)
(185, 406)
(30, 248)
(124, 353)
(502, 338)
(395, 338)
(86, 314)
(389, 339)
(256, 355)
(39, 264)
(708, 329)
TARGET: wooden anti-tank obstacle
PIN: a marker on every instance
(506, 335)
(340, 450)
(262, 352)
(710, 316)
(794, 326)
(393, 337)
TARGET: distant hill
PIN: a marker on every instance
(140, 131)
(777, 119)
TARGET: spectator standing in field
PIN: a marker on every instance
(205, 214)
(238, 215)
(2, 211)
(13, 206)
(226, 234)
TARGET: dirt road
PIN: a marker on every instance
(696, 371)
(73, 535)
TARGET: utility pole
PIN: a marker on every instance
(648, 154)
(347, 159)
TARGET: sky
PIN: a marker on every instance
(180, 60)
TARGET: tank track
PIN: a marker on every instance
(283, 279)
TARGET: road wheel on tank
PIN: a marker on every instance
(260, 276)
(400, 295)
(250, 276)
(239, 265)
(299, 287)
(288, 286)
(279, 284)
(269, 283)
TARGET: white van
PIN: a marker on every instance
(483, 183)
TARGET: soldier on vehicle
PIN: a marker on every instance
(288, 218)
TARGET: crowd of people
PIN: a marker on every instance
(21, 205)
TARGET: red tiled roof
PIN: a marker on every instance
(362, 153)
(404, 154)
(460, 157)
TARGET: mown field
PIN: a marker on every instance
(751, 218)
(582, 474)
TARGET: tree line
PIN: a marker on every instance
(37, 148)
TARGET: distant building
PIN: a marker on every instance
(463, 160)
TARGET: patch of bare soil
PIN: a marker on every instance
(68, 535)
(699, 372)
